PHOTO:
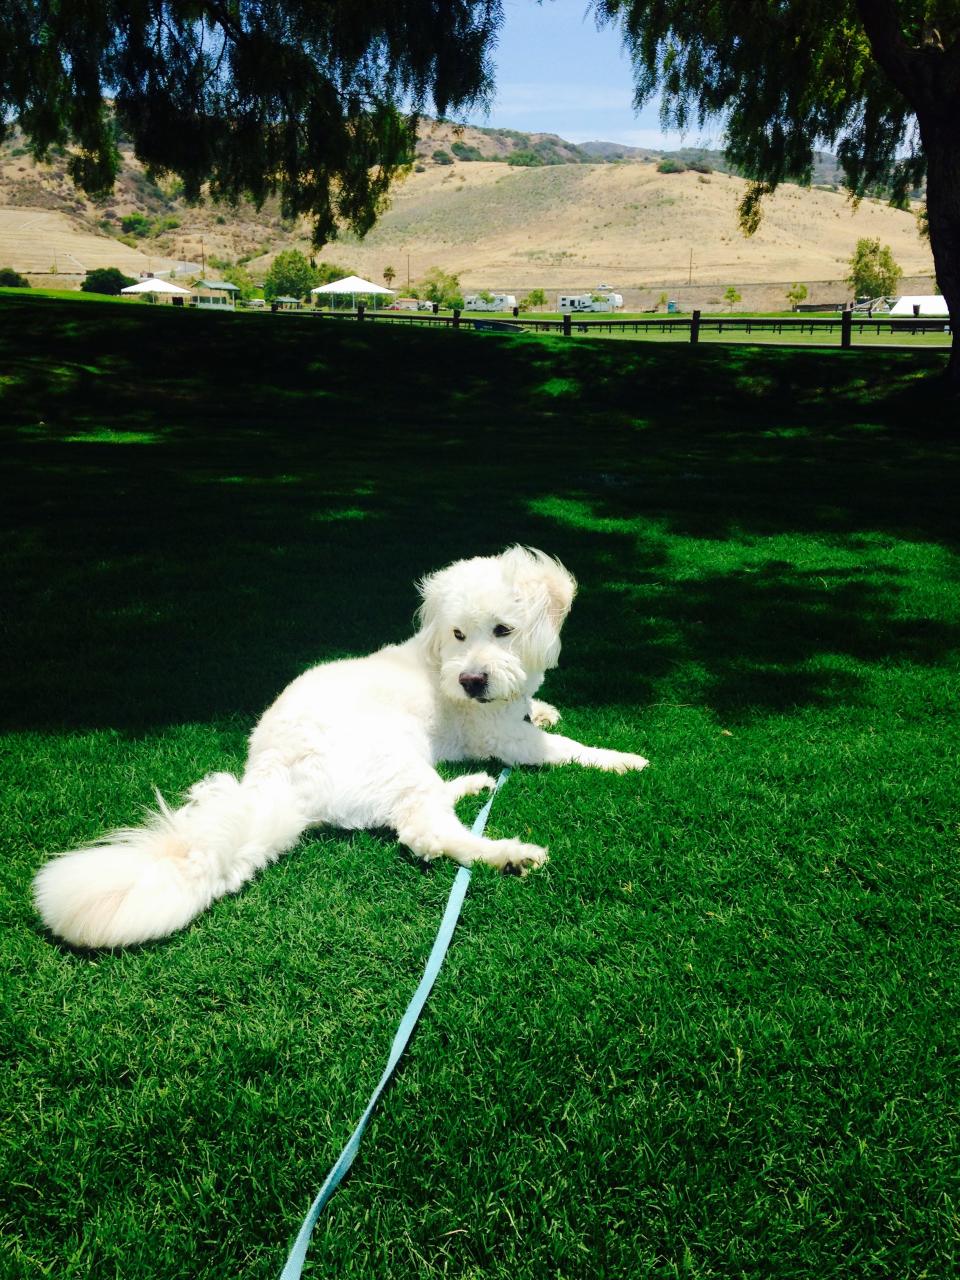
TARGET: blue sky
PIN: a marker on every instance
(556, 73)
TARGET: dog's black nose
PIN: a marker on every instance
(474, 685)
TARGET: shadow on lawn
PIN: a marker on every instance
(199, 507)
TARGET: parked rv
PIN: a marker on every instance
(571, 302)
(495, 302)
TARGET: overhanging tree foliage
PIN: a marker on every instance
(878, 81)
(313, 101)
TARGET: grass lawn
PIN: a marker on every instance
(717, 1036)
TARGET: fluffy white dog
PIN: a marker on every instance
(351, 744)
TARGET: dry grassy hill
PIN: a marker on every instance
(575, 226)
(561, 226)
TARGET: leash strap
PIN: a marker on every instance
(298, 1252)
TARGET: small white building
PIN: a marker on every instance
(495, 302)
(931, 304)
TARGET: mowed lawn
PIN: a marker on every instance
(717, 1036)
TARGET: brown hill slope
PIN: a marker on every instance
(576, 226)
(562, 226)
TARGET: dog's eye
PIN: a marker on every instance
(501, 629)
(459, 634)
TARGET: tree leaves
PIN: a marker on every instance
(317, 104)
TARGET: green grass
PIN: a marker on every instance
(717, 1036)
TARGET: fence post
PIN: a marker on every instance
(695, 326)
(567, 330)
(456, 318)
(846, 327)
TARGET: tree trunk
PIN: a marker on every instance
(942, 148)
(928, 76)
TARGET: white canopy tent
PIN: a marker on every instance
(352, 285)
(931, 304)
(154, 285)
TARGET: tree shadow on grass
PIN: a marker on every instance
(745, 643)
(199, 507)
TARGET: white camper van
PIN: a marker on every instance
(497, 302)
(571, 302)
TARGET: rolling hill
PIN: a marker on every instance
(567, 219)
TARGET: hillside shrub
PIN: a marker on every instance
(169, 222)
(524, 159)
(463, 151)
(442, 157)
(106, 280)
(135, 224)
(10, 279)
(669, 165)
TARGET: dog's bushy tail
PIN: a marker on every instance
(147, 882)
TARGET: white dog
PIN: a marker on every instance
(351, 744)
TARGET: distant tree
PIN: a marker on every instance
(731, 297)
(873, 271)
(662, 301)
(464, 151)
(235, 274)
(327, 271)
(670, 165)
(106, 280)
(290, 275)
(535, 298)
(877, 81)
(796, 294)
(10, 279)
(315, 103)
(485, 295)
(389, 275)
(442, 157)
(441, 287)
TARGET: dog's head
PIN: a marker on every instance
(491, 625)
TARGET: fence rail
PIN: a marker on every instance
(691, 328)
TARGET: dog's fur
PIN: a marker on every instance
(351, 744)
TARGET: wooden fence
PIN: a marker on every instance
(829, 329)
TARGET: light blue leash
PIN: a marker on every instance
(298, 1253)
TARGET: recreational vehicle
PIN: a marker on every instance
(491, 302)
(570, 302)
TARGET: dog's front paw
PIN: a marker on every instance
(470, 784)
(543, 715)
(617, 761)
(527, 857)
(514, 855)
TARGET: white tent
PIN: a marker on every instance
(352, 285)
(153, 285)
(929, 305)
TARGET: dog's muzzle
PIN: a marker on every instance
(475, 685)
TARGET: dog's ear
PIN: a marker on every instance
(427, 615)
(536, 574)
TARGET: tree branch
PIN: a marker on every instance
(900, 61)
